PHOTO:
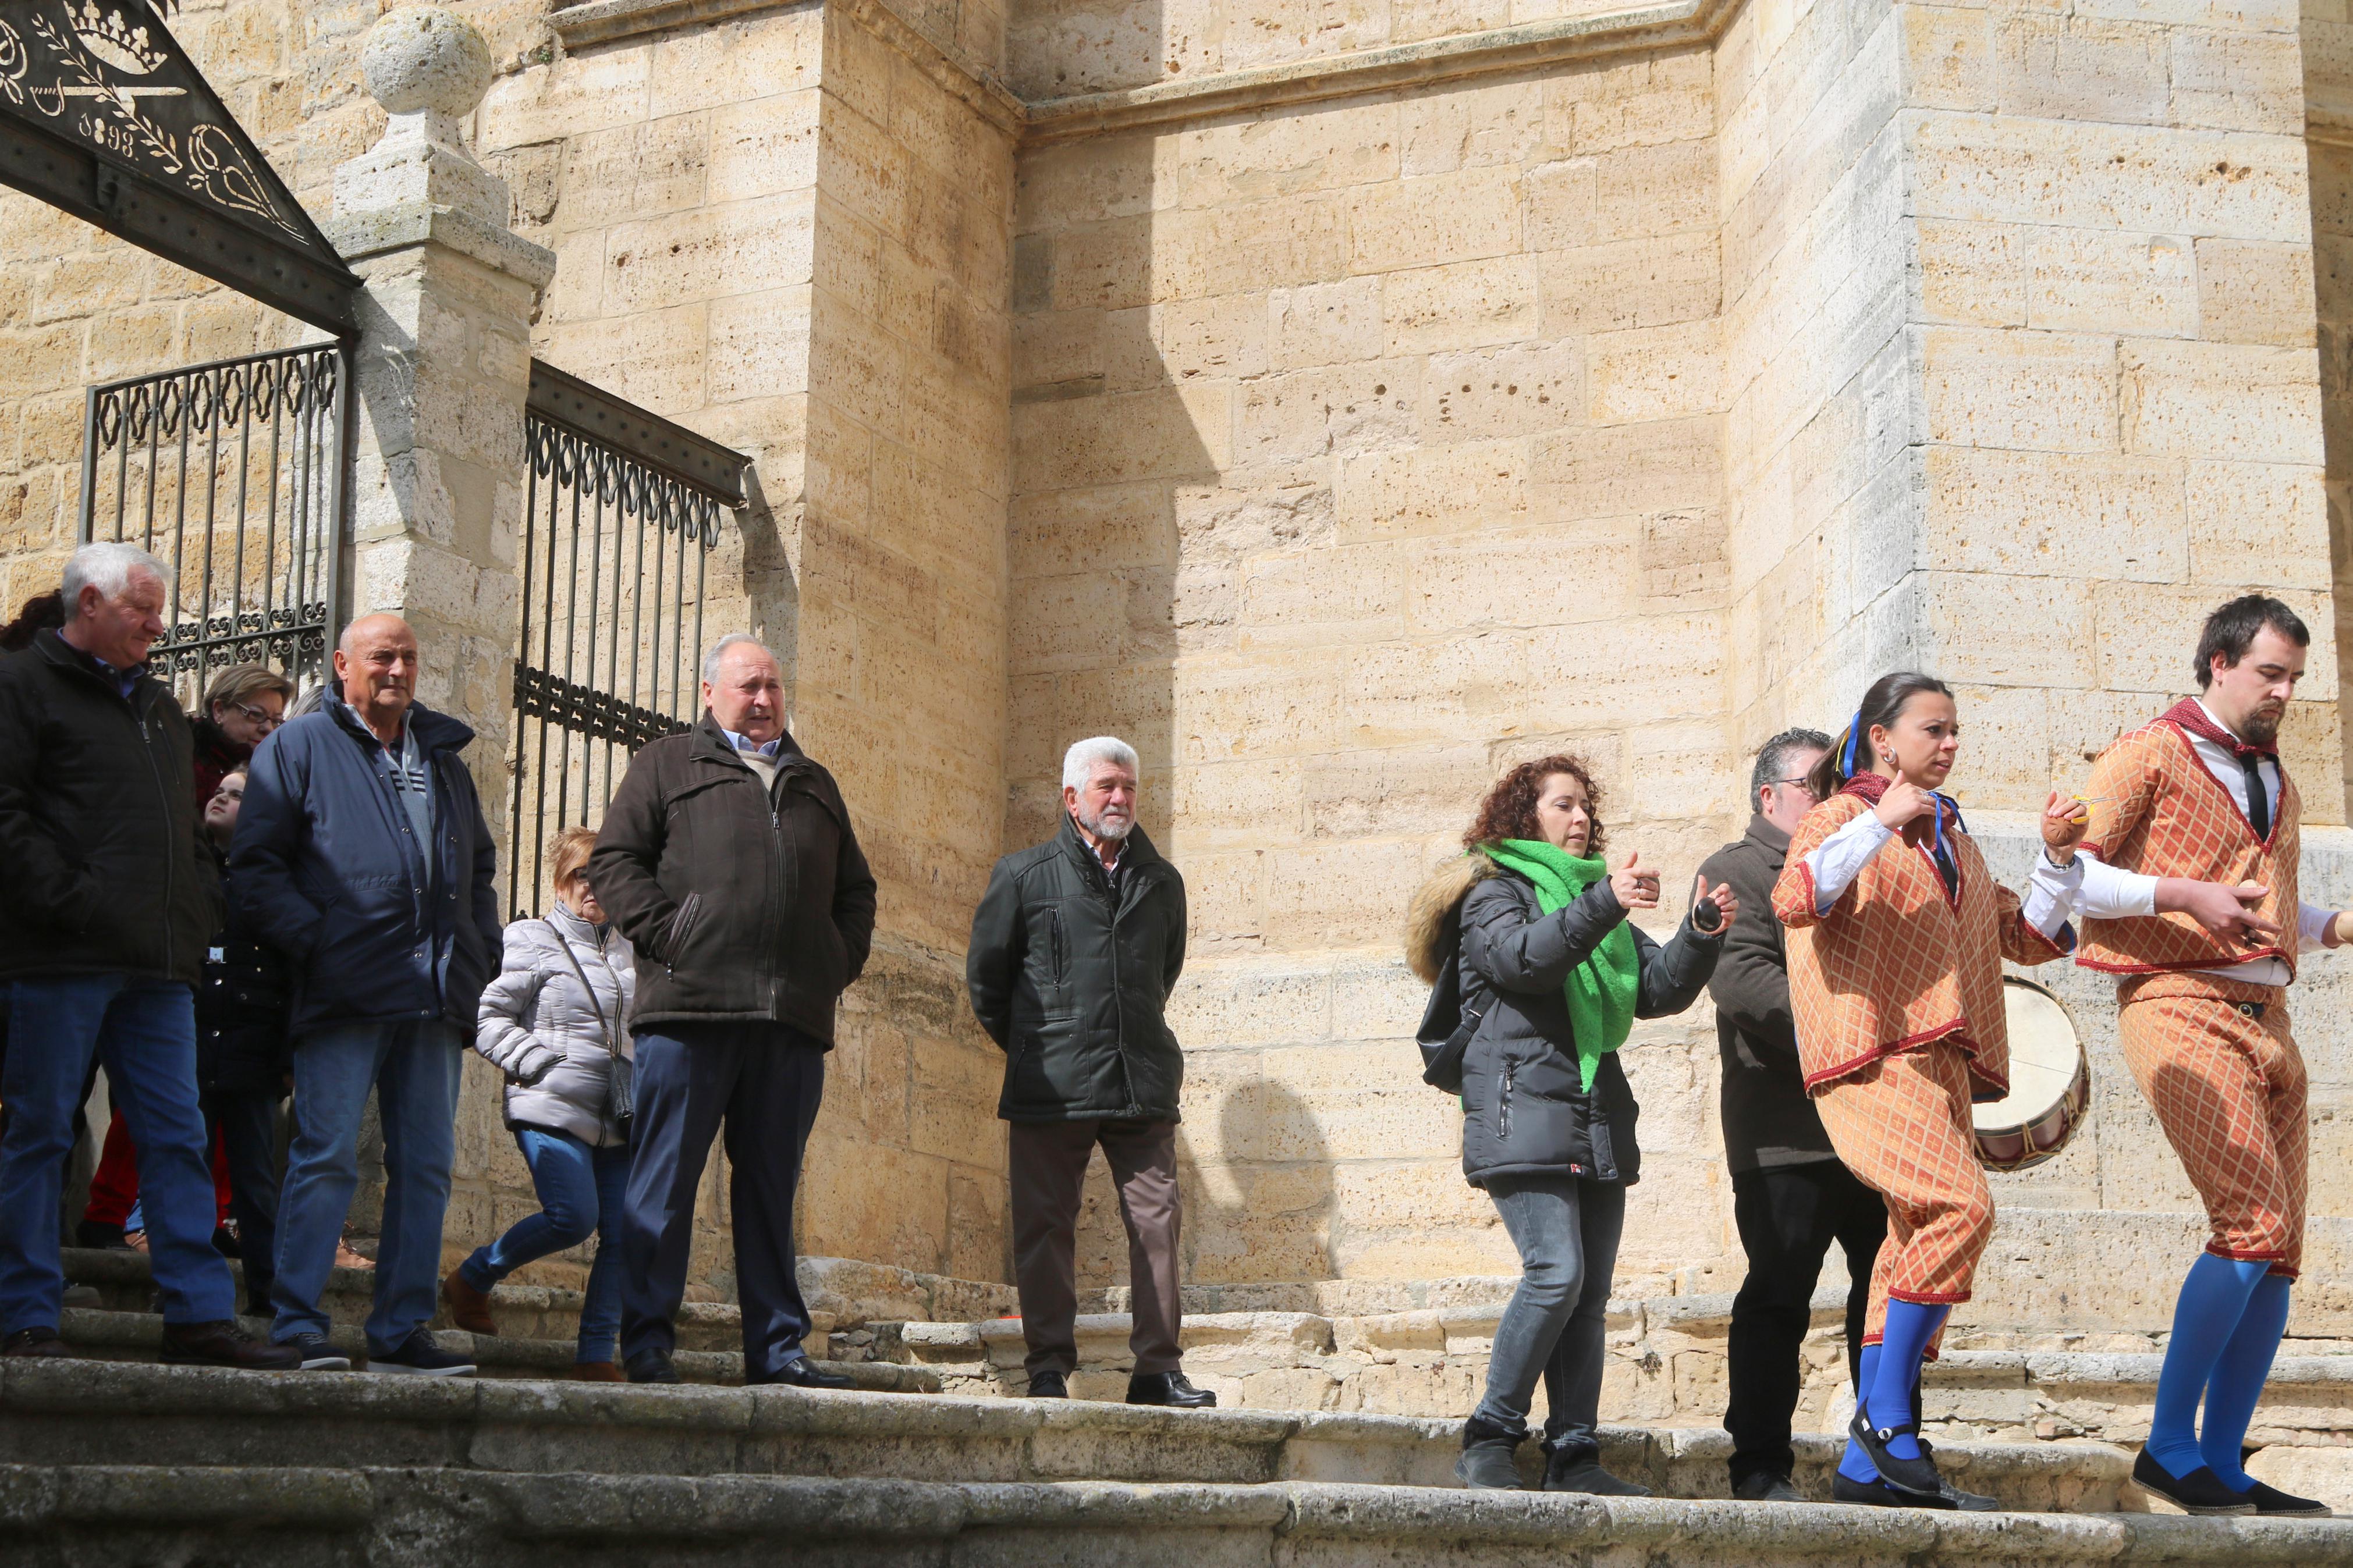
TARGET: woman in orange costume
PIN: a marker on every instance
(1896, 938)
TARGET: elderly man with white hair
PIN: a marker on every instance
(728, 860)
(1074, 950)
(111, 900)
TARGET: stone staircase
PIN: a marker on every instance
(115, 1463)
(109, 1461)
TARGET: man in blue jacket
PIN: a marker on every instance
(363, 855)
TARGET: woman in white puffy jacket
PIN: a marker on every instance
(554, 1021)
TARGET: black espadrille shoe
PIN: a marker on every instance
(2201, 1492)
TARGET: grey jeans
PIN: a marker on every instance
(1567, 1230)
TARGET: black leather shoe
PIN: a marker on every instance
(1766, 1486)
(2201, 1492)
(651, 1366)
(802, 1373)
(1047, 1386)
(2272, 1503)
(1488, 1462)
(1170, 1388)
(1865, 1494)
(39, 1342)
(1915, 1480)
(1576, 1467)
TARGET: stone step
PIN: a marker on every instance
(95, 1413)
(443, 1518)
(115, 1336)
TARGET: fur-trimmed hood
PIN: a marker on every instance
(1436, 903)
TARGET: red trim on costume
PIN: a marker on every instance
(2188, 967)
(2248, 1255)
(1910, 1042)
(1923, 1298)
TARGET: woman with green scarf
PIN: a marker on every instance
(1558, 975)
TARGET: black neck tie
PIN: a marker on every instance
(2258, 809)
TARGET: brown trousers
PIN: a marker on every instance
(1048, 1172)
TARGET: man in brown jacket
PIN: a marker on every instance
(728, 860)
(1790, 1196)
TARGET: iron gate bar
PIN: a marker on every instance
(598, 467)
(646, 438)
(191, 407)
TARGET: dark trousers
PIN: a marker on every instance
(1787, 1216)
(763, 1082)
(1047, 1163)
(246, 1121)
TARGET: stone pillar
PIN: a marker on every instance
(444, 363)
(438, 476)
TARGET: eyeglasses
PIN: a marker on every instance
(262, 718)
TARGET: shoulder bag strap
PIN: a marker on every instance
(564, 946)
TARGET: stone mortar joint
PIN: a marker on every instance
(429, 68)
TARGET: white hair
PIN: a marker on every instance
(1079, 763)
(108, 569)
(718, 650)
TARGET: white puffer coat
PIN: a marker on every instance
(537, 1028)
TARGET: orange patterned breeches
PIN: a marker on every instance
(1902, 1126)
(2229, 1091)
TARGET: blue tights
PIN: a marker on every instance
(2226, 1329)
(1888, 1390)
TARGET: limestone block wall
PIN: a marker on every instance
(1361, 448)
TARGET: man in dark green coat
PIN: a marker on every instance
(1075, 948)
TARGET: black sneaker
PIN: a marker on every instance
(2201, 1492)
(651, 1366)
(420, 1355)
(2272, 1503)
(317, 1355)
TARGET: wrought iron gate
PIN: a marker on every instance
(232, 473)
(622, 513)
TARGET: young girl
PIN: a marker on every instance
(1896, 938)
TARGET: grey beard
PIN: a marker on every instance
(1117, 833)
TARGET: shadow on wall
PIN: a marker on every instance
(1277, 1232)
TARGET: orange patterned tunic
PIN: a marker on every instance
(1897, 962)
(2157, 809)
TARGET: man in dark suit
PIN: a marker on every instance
(1790, 1196)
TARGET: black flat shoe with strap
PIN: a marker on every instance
(1912, 1478)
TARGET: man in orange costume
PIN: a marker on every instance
(2190, 896)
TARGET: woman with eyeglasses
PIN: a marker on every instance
(242, 706)
(556, 1022)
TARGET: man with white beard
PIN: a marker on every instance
(1074, 950)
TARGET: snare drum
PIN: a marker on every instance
(2050, 1083)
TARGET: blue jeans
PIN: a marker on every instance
(145, 1035)
(764, 1080)
(1567, 1230)
(412, 1064)
(582, 1191)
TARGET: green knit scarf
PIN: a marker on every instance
(1601, 991)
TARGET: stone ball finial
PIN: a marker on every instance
(424, 58)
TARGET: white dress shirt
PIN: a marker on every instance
(2111, 894)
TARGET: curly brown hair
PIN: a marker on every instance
(1510, 809)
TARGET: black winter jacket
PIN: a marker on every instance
(327, 869)
(1767, 1120)
(1523, 1110)
(743, 904)
(103, 865)
(242, 1042)
(1074, 982)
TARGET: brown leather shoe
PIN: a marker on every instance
(596, 1371)
(35, 1343)
(468, 1308)
(223, 1343)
